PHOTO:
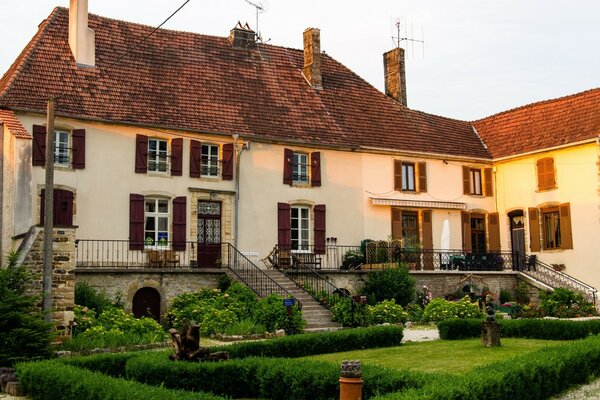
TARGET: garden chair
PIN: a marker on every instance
(155, 258)
(171, 258)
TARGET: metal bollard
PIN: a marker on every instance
(351, 380)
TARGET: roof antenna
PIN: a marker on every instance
(403, 37)
(259, 9)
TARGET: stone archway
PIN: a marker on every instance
(146, 303)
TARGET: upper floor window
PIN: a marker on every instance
(475, 178)
(156, 227)
(68, 151)
(210, 160)
(62, 148)
(157, 155)
(478, 181)
(410, 176)
(545, 173)
(301, 168)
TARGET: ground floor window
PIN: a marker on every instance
(156, 227)
(551, 228)
(478, 234)
(300, 227)
(410, 229)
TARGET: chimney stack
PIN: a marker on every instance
(81, 38)
(242, 37)
(395, 75)
(312, 57)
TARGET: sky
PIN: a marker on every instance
(480, 57)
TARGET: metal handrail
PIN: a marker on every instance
(254, 277)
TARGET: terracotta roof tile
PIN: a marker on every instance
(200, 83)
(542, 125)
(9, 119)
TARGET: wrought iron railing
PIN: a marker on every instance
(546, 274)
(328, 257)
(254, 277)
(119, 254)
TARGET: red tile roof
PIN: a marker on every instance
(13, 124)
(200, 83)
(542, 125)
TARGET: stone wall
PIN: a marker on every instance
(63, 266)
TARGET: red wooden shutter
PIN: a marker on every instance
(62, 208)
(466, 231)
(141, 154)
(288, 160)
(466, 180)
(494, 231)
(78, 136)
(319, 230)
(315, 169)
(179, 223)
(397, 175)
(38, 147)
(488, 182)
(177, 157)
(195, 158)
(566, 235)
(396, 224)
(136, 222)
(284, 220)
(227, 173)
(534, 230)
(422, 177)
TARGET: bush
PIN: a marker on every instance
(23, 333)
(505, 296)
(522, 293)
(564, 303)
(350, 314)
(53, 380)
(271, 313)
(387, 312)
(245, 327)
(453, 329)
(87, 296)
(440, 309)
(390, 283)
(353, 259)
(415, 312)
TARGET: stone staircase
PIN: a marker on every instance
(317, 317)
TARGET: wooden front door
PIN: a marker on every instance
(209, 234)
(146, 303)
(517, 237)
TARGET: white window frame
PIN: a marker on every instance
(301, 243)
(62, 148)
(300, 164)
(158, 159)
(475, 181)
(408, 177)
(209, 163)
(155, 241)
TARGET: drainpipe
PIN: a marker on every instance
(239, 149)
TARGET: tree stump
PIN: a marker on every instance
(490, 334)
(186, 343)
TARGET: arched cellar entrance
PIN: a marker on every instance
(146, 303)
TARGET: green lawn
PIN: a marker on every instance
(449, 356)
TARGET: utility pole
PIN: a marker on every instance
(48, 213)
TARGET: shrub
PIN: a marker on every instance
(352, 259)
(390, 283)
(350, 314)
(245, 327)
(23, 333)
(88, 296)
(271, 313)
(522, 293)
(440, 309)
(387, 312)
(505, 296)
(564, 303)
(453, 329)
(415, 312)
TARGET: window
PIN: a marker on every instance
(551, 228)
(478, 233)
(475, 179)
(157, 155)
(156, 227)
(410, 229)
(300, 227)
(545, 173)
(69, 147)
(300, 168)
(408, 176)
(209, 165)
(62, 149)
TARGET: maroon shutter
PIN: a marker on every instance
(227, 173)
(136, 222)
(141, 154)
(284, 219)
(319, 240)
(315, 169)
(195, 158)
(176, 157)
(179, 223)
(288, 160)
(38, 147)
(62, 208)
(78, 149)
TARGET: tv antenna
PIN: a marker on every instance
(402, 36)
(259, 9)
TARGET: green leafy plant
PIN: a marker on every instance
(387, 311)
(353, 259)
(440, 309)
(522, 293)
(564, 303)
(88, 296)
(505, 296)
(390, 283)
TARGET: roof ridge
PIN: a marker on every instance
(16, 67)
(538, 103)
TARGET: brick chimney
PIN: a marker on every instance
(82, 39)
(312, 57)
(395, 75)
(242, 37)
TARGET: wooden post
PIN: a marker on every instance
(48, 213)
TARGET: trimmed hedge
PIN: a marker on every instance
(111, 364)
(547, 329)
(318, 343)
(54, 380)
(537, 375)
(272, 378)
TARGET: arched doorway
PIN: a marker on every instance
(146, 303)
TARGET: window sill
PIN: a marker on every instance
(546, 190)
(159, 174)
(302, 185)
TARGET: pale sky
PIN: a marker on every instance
(480, 57)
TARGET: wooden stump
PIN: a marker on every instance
(186, 343)
(490, 334)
